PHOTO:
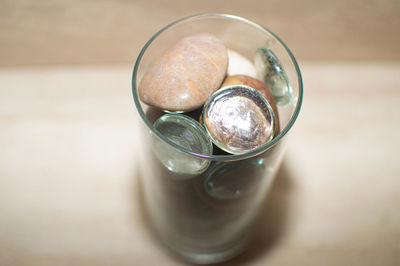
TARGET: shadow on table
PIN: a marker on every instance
(270, 227)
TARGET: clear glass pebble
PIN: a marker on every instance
(238, 119)
(234, 180)
(270, 71)
(189, 135)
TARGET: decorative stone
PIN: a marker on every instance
(260, 87)
(186, 74)
(239, 64)
(189, 135)
(238, 119)
(272, 73)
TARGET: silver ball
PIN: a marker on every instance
(238, 119)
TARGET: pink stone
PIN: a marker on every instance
(186, 74)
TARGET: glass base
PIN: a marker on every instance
(203, 258)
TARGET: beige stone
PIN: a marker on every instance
(186, 75)
(240, 65)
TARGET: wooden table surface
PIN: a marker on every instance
(69, 185)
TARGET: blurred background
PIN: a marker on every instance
(99, 32)
(68, 133)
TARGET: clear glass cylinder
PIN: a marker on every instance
(206, 216)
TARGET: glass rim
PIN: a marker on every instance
(230, 157)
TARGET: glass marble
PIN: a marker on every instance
(188, 134)
(234, 180)
(238, 119)
(271, 72)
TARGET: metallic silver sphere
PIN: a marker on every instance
(238, 119)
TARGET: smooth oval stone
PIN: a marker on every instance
(272, 73)
(238, 119)
(186, 74)
(239, 64)
(260, 87)
(188, 134)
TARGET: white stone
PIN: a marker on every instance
(240, 65)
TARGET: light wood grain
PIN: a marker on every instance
(69, 191)
(86, 32)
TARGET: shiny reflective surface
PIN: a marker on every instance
(259, 86)
(187, 133)
(272, 73)
(238, 119)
